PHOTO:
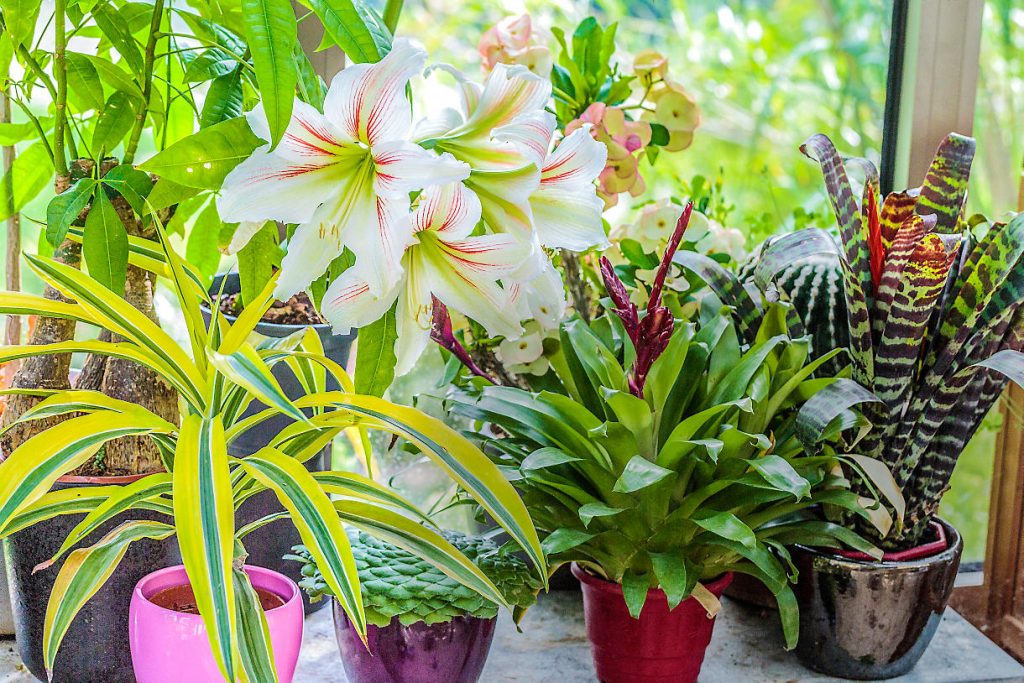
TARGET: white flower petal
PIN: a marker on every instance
(469, 90)
(402, 167)
(568, 219)
(508, 92)
(450, 209)
(542, 297)
(349, 303)
(368, 101)
(505, 199)
(269, 187)
(576, 162)
(243, 233)
(437, 125)
(531, 134)
(310, 250)
(309, 138)
(414, 318)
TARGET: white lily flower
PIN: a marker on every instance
(538, 292)
(503, 133)
(344, 176)
(566, 208)
(445, 261)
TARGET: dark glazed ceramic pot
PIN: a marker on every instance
(870, 620)
(662, 646)
(95, 649)
(268, 544)
(452, 651)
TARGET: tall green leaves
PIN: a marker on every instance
(105, 245)
(355, 28)
(271, 30)
(204, 159)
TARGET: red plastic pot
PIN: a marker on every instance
(662, 646)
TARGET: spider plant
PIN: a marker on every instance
(202, 485)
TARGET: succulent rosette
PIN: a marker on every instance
(397, 584)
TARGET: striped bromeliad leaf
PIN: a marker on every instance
(321, 531)
(29, 472)
(205, 518)
(84, 573)
(456, 455)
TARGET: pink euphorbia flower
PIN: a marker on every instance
(344, 176)
(513, 40)
(623, 139)
(443, 261)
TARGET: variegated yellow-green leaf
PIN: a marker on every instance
(205, 517)
(84, 573)
(33, 467)
(81, 401)
(352, 485)
(19, 303)
(255, 652)
(463, 461)
(245, 368)
(124, 498)
(249, 318)
(319, 527)
(69, 501)
(403, 532)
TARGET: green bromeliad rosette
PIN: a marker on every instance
(667, 457)
(423, 626)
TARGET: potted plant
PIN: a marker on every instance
(668, 460)
(933, 330)
(423, 630)
(203, 485)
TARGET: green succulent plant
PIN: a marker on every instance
(397, 584)
(672, 454)
(933, 318)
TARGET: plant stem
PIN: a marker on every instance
(392, 10)
(60, 74)
(35, 122)
(147, 82)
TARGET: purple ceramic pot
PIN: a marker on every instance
(453, 651)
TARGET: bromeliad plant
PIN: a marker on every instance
(934, 320)
(202, 485)
(670, 455)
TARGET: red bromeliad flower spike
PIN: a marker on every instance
(650, 335)
(441, 332)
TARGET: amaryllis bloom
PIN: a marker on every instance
(443, 260)
(503, 133)
(344, 176)
(513, 40)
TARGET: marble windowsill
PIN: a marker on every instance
(747, 646)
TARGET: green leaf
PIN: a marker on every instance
(256, 261)
(117, 31)
(113, 75)
(201, 250)
(224, 99)
(87, 90)
(589, 511)
(20, 17)
(13, 133)
(209, 65)
(255, 649)
(354, 28)
(778, 472)
(659, 135)
(546, 457)
(671, 571)
(203, 160)
(375, 355)
(105, 245)
(271, 32)
(30, 173)
(634, 589)
(63, 209)
(115, 120)
(564, 539)
(825, 406)
(167, 193)
(728, 526)
(131, 183)
(639, 474)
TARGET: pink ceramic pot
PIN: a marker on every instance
(172, 646)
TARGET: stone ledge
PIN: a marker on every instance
(747, 646)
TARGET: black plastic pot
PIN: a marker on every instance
(870, 620)
(268, 545)
(95, 649)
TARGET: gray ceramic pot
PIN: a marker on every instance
(268, 545)
(95, 649)
(871, 620)
(6, 616)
